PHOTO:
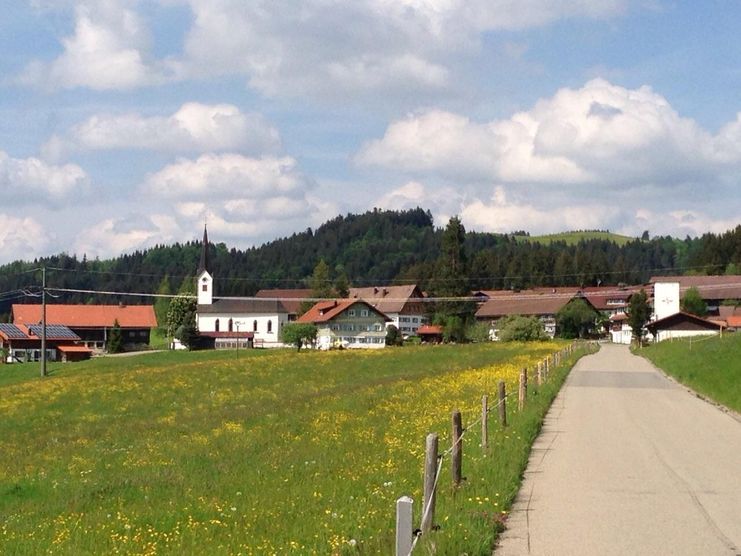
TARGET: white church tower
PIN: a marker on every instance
(205, 282)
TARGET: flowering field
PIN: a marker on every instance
(254, 452)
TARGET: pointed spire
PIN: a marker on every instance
(203, 265)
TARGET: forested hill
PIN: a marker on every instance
(378, 247)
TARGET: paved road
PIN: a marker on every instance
(629, 463)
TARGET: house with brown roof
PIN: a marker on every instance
(682, 325)
(542, 303)
(350, 323)
(93, 323)
(404, 305)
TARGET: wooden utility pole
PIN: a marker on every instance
(456, 459)
(43, 321)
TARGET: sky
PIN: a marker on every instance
(126, 124)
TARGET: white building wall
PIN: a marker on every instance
(205, 288)
(245, 322)
(676, 334)
(666, 299)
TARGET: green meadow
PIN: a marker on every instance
(257, 451)
(711, 366)
(573, 238)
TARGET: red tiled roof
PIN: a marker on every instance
(734, 321)
(88, 316)
(429, 329)
(325, 311)
(74, 349)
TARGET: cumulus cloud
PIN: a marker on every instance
(194, 127)
(227, 176)
(33, 181)
(22, 238)
(601, 134)
(113, 236)
(326, 48)
(107, 51)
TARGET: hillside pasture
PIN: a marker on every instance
(254, 452)
(573, 238)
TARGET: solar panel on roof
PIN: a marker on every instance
(54, 331)
(12, 331)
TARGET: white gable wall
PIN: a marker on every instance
(245, 322)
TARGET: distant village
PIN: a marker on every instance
(363, 319)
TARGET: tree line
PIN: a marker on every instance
(378, 247)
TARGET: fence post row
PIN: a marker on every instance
(428, 500)
(502, 404)
(523, 389)
(484, 422)
(404, 505)
(457, 448)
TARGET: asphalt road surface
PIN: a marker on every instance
(629, 462)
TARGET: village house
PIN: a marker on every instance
(93, 323)
(404, 305)
(543, 303)
(22, 344)
(347, 323)
(235, 322)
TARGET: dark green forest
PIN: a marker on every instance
(375, 248)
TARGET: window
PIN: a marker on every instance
(204, 287)
(254, 326)
(231, 325)
(351, 313)
(270, 327)
(364, 312)
(216, 325)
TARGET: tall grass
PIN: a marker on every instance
(711, 367)
(253, 452)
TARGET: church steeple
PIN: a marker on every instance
(204, 282)
(203, 265)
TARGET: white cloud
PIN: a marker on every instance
(328, 48)
(601, 134)
(33, 181)
(108, 50)
(114, 236)
(22, 238)
(193, 127)
(227, 176)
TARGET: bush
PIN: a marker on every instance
(393, 336)
(298, 334)
(516, 328)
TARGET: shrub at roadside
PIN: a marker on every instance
(516, 328)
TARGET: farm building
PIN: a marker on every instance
(93, 323)
(714, 290)
(22, 344)
(682, 325)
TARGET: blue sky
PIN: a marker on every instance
(124, 124)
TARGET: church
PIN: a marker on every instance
(233, 321)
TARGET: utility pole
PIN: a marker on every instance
(43, 321)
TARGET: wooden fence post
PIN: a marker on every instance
(457, 453)
(484, 422)
(523, 390)
(404, 531)
(539, 376)
(428, 500)
(502, 404)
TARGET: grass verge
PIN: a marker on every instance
(711, 367)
